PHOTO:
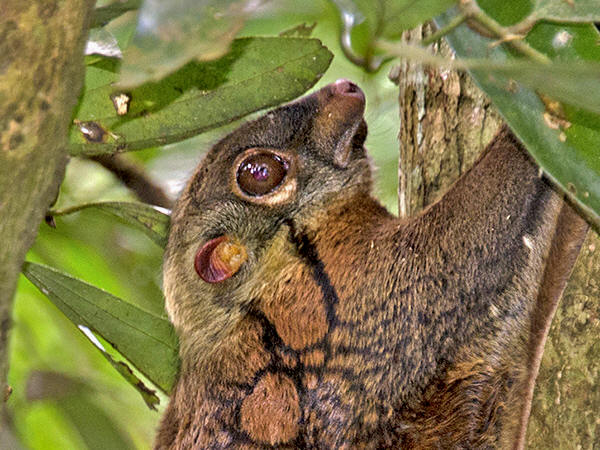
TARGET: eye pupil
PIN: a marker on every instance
(261, 173)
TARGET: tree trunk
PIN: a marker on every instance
(41, 73)
(566, 403)
(445, 122)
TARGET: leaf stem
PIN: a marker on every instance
(455, 22)
(369, 63)
(525, 25)
(508, 68)
(473, 11)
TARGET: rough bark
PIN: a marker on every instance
(445, 122)
(566, 403)
(41, 73)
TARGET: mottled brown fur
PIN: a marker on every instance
(347, 327)
(271, 413)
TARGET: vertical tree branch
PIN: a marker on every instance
(41, 73)
(445, 122)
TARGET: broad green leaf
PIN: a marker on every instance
(356, 12)
(149, 396)
(402, 15)
(152, 220)
(567, 10)
(511, 12)
(566, 42)
(389, 18)
(257, 73)
(577, 83)
(568, 153)
(170, 34)
(361, 21)
(366, 21)
(147, 341)
(525, 13)
(100, 71)
(105, 14)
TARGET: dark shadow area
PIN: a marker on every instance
(195, 75)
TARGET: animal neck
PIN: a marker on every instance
(456, 283)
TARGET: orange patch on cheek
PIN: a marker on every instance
(271, 414)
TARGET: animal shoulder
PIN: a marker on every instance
(309, 316)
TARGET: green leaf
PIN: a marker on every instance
(147, 341)
(402, 15)
(170, 34)
(567, 10)
(257, 73)
(568, 154)
(105, 14)
(152, 220)
(149, 396)
(566, 42)
(389, 18)
(577, 83)
(511, 11)
(364, 22)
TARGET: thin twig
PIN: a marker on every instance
(525, 25)
(135, 178)
(473, 11)
(507, 68)
(455, 22)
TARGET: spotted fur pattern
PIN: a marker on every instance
(348, 327)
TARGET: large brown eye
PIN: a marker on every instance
(261, 173)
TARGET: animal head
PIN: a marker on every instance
(285, 166)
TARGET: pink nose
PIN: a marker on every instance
(347, 87)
